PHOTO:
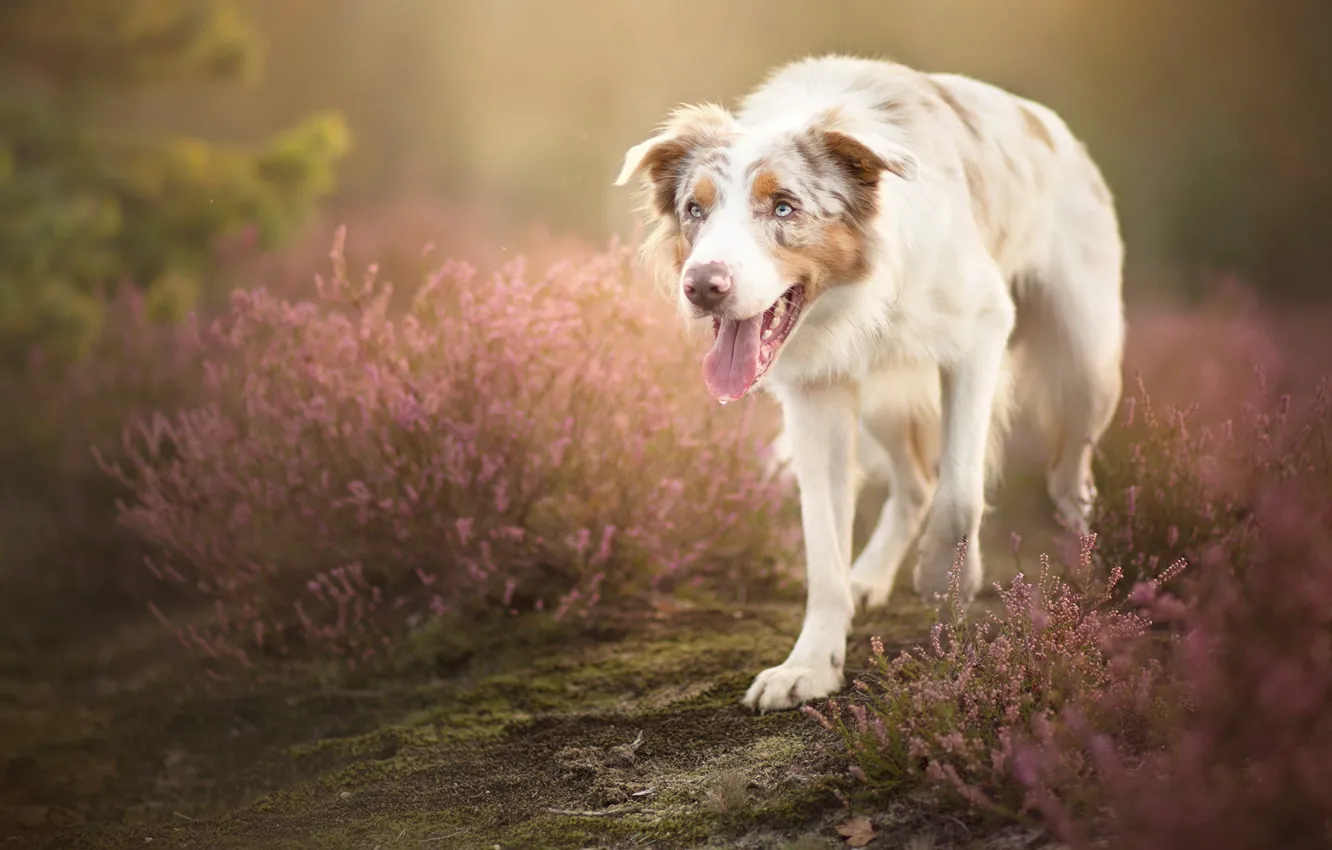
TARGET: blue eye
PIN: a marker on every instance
(695, 211)
(783, 210)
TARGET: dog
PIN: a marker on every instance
(901, 259)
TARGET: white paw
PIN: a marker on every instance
(792, 684)
(870, 591)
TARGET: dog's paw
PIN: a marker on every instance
(870, 591)
(792, 684)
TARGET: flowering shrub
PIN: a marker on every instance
(1247, 757)
(1214, 733)
(1179, 481)
(1161, 491)
(953, 716)
(1176, 488)
(507, 444)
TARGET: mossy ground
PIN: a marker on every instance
(628, 734)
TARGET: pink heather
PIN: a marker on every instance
(454, 444)
(1176, 707)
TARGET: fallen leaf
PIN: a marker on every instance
(858, 832)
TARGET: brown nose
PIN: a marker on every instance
(707, 285)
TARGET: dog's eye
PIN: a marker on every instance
(695, 211)
(783, 210)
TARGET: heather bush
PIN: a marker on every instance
(1172, 486)
(1213, 732)
(1178, 480)
(955, 716)
(1244, 758)
(522, 442)
(1161, 495)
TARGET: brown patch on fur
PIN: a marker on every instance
(663, 167)
(1037, 127)
(765, 186)
(863, 166)
(968, 120)
(838, 256)
(705, 192)
(916, 442)
(862, 163)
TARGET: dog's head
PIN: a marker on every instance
(752, 224)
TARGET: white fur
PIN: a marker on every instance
(910, 375)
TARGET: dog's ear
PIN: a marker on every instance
(861, 154)
(689, 130)
(866, 159)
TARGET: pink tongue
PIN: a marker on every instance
(730, 367)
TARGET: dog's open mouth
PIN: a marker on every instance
(745, 349)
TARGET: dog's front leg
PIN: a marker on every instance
(969, 386)
(821, 423)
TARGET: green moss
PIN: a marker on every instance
(505, 739)
(807, 842)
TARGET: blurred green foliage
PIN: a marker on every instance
(84, 207)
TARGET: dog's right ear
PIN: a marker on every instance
(663, 157)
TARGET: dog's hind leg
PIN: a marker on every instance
(972, 389)
(1083, 408)
(1073, 334)
(909, 457)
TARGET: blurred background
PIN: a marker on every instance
(156, 153)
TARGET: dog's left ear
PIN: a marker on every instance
(866, 158)
(657, 156)
(688, 130)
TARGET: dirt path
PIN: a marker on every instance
(520, 736)
(619, 738)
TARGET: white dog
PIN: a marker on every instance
(900, 258)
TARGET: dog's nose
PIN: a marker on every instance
(707, 285)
